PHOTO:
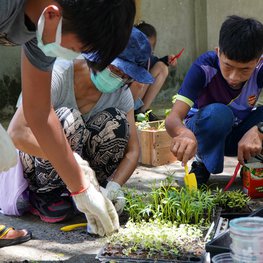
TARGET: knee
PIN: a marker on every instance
(119, 122)
(217, 118)
(108, 128)
(160, 70)
(73, 126)
(70, 118)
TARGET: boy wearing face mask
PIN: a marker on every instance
(61, 28)
(96, 112)
(217, 102)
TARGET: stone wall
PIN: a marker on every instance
(192, 24)
(10, 78)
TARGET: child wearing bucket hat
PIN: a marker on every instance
(133, 61)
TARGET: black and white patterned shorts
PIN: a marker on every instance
(102, 141)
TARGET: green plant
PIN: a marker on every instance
(235, 199)
(157, 239)
(136, 205)
(143, 122)
(171, 203)
(143, 116)
(169, 220)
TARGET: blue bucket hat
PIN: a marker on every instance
(133, 61)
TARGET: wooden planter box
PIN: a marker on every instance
(155, 146)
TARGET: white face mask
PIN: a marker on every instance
(53, 49)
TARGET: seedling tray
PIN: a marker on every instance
(232, 215)
(113, 255)
(221, 243)
(104, 258)
(258, 212)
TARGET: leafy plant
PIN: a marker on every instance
(157, 125)
(169, 221)
(143, 116)
(235, 199)
(156, 239)
(136, 206)
(171, 203)
(144, 123)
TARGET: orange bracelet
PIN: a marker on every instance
(78, 192)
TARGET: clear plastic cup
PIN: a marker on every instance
(247, 239)
(222, 258)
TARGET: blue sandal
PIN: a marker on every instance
(14, 241)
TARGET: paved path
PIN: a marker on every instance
(52, 245)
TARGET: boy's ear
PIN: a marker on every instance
(260, 59)
(217, 51)
(52, 12)
(52, 17)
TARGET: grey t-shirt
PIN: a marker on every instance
(63, 92)
(13, 31)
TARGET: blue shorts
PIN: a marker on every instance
(217, 135)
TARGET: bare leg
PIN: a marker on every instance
(160, 73)
(138, 90)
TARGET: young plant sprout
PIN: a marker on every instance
(156, 240)
(143, 122)
(170, 222)
(171, 204)
(231, 200)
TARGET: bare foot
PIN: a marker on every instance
(12, 233)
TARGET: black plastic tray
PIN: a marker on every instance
(234, 215)
(221, 243)
(180, 259)
(107, 259)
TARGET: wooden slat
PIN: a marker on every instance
(163, 156)
(155, 147)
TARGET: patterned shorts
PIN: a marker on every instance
(102, 141)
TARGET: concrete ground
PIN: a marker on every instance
(50, 244)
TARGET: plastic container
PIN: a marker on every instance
(221, 243)
(252, 178)
(222, 258)
(247, 239)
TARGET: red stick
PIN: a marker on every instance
(177, 55)
(232, 179)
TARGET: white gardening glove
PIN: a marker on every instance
(87, 170)
(99, 210)
(115, 194)
(100, 213)
(8, 155)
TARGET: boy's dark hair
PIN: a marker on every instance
(241, 39)
(103, 26)
(147, 29)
